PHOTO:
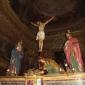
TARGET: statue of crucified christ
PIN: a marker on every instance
(41, 34)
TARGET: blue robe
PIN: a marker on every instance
(16, 56)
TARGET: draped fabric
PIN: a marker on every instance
(73, 53)
(16, 57)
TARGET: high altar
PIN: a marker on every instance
(12, 29)
(56, 79)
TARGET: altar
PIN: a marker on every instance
(56, 79)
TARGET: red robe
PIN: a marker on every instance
(72, 46)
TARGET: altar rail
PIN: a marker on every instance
(60, 79)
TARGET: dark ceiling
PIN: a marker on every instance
(66, 12)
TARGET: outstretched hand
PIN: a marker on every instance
(34, 24)
(53, 17)
(49, 20)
